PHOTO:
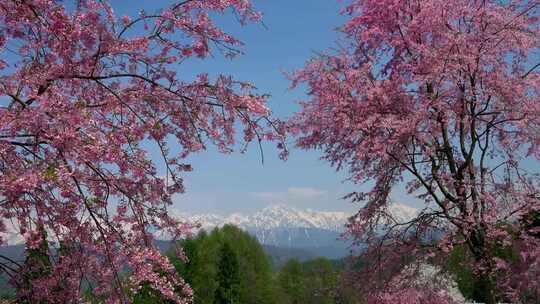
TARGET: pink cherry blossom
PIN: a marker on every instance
(82, 93)
(442, 96)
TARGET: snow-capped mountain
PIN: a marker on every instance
(402, 212)
(277, 225)
(284, 226)
(274, 217)
(281, 216)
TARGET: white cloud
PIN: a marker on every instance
(305, 191)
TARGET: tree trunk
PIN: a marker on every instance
(484, 287)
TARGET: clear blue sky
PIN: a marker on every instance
(293, 30)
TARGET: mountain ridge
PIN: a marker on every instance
(284, 226)
(277, 225)
(282, 216)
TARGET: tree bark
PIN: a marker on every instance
(484, 290)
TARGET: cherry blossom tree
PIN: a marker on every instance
(443, 97)
(84, 94)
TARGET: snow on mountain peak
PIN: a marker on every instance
(280, 216)
(273, 217)
(402, 212)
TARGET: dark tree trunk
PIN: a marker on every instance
(484, 287)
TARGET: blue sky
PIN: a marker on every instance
(292, 32)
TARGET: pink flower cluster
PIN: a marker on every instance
(83, 93)
(444, 97)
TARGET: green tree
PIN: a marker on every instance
(291, 282)
(205, 280)
(316, 282)
(320, 281)
(255, 268)
(228, 291)
(256, 284)
(187, 269)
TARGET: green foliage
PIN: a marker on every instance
(189, 246)
(228, 277)
(291, 282)
(316, 281)
(50, 173)
(464, 276)
(228, 265)
(471, 285)
(530, 221)
(202, 269)
(255, 266)
(323, 281)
